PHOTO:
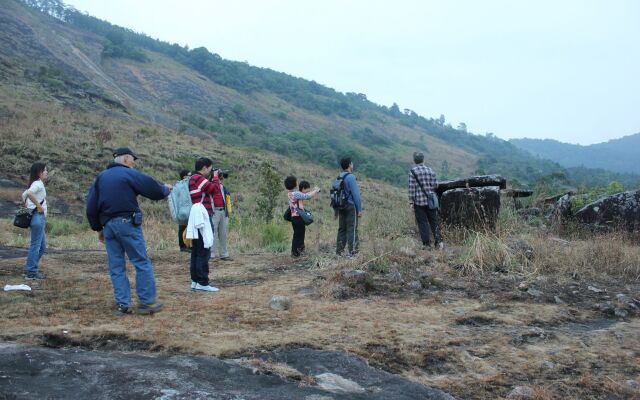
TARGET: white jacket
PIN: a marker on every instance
(199, 222)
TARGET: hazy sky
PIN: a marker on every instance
(561, 69)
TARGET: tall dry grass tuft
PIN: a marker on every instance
(613, 254)
(485, 252)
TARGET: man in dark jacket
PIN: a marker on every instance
(349, 217)
(113, 211)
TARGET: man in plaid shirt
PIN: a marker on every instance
(426, 218)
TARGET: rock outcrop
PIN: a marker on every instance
(474, 207)
(620, 209)
(36, 372)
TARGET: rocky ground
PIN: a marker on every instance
(495, 336)
(36, 372)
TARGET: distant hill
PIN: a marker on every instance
(617, 155)
(58, 55)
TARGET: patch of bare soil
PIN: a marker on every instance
(475, 337)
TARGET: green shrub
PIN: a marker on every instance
(274, 236)
(64, 227)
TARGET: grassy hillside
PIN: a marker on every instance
(75, 56)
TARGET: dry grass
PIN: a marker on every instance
(468, 332)
(445, 338)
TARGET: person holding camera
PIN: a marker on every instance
(295, 196)
(220, 216)
(113, 211)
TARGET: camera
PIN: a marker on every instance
(221, 173)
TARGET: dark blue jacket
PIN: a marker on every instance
(114, 194)
(352, 189)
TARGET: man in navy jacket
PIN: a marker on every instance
(113, 211)
(348, 218)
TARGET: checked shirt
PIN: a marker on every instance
(429, 182)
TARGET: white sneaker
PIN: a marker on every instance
(193, 285)
(440, 245)
(207, 288)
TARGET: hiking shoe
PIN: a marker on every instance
(122, 310)
(148, 309)
(35, 276)
(207, 288)
(227, 258)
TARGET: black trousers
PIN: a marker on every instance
(181, 229)
(347, 230)
(427, 221)
(199, 266)
(299, 230)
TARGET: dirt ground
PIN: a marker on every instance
(474, 337)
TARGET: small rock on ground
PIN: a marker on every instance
(280, 303)
(521, 392)
(336, 384)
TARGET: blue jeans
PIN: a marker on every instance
(120, 236)
(38, 243)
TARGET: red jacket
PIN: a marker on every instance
(200, 186)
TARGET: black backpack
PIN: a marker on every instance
(338, 193)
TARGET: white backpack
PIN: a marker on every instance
(180, 203)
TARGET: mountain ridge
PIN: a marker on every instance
(617, 155)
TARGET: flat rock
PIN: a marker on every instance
(35, 372)
(473, 181)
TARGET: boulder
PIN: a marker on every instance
(621, 209)
(473, 208)
(474, 181)
(561, 209)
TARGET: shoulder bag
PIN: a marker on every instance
(432, 198)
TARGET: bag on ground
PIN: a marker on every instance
(338, 193)
(180, 203)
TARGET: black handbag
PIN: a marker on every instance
(287, 214)
(23, 218)
(306, 215)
